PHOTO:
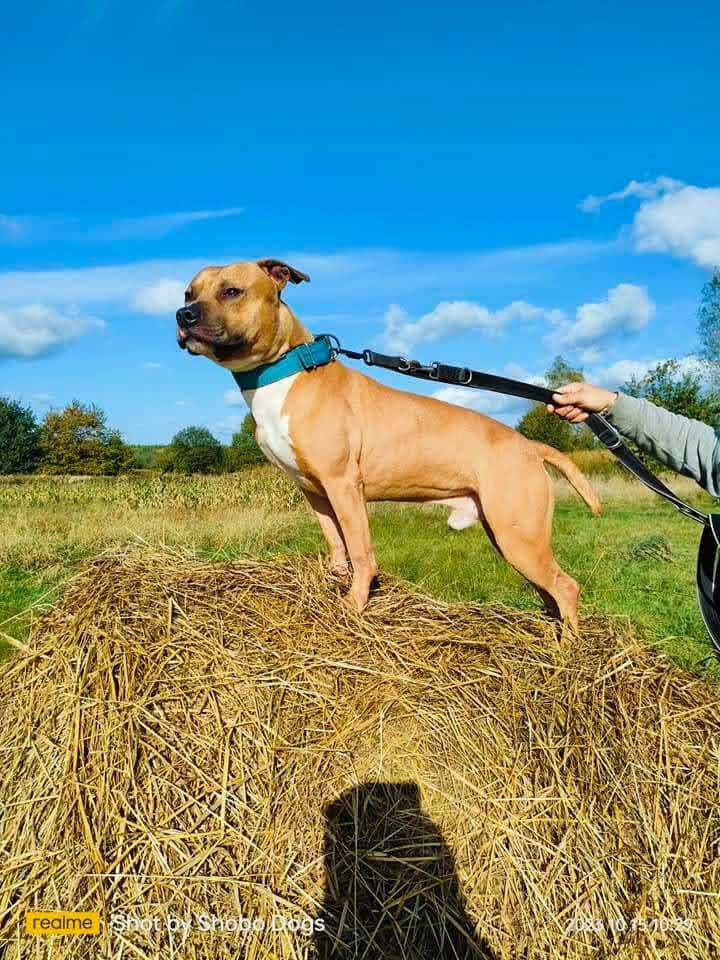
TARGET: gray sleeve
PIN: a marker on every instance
(687, 446)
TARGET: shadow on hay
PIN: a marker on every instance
(391, 889)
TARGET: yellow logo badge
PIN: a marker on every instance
(44, 923)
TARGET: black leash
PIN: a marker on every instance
(465, 377)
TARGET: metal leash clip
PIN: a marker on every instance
(335, 347)
(414, 366)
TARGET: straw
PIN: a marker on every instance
(185, 738)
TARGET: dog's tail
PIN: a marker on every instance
(572, 474)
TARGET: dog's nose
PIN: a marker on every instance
(187, 316)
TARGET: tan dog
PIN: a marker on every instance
(347, 439)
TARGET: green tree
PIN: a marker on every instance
(538, 424)
(679, 390)
(195, 450)
(243, 450)
(708, 317)
(19, 438)
(145, 455)
(560, 372)
(77, 440)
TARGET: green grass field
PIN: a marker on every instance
(635, 561)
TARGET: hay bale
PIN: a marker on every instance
(184, 739)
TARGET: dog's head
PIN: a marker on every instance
(234, 314)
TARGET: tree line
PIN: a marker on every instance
(77, 440)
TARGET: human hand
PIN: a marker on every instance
(576, 401)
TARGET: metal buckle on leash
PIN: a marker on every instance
(463, 376)
(414, 366)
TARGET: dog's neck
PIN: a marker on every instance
(290, 333)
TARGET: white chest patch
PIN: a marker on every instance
(273, 426)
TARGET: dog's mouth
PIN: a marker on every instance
(196, 332)
(222, 345)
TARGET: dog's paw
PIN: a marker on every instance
(356, 602)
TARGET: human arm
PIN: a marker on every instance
(685, 445)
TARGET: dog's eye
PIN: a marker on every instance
(188, 296)
(230, 292)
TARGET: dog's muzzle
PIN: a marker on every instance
(188, 315)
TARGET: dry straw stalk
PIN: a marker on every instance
(184, 738)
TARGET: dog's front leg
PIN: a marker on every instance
(347, 499)
(330, 526)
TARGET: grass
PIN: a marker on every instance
(22, 594)
(48, 526)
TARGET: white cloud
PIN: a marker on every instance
(34, 329)
(157, 225)
(621, 371)
(402, 334)
(480, 400)
(627, 309)
(591, 354)
(43, 399)
(152, 365)
(518, 372)
(23, 229)
(642, 189)
(337, 277)
(684, 222)
(230, 424)
(162, 297)
(673, 217)
(92, 285)
(395, 271)
(233, 398)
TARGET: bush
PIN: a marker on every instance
(195, 450)
(77, 440)
(19, 438)
(165, 460)
(243, 450)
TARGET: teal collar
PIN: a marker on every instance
(305, 357)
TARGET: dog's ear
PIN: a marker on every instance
(282, 272)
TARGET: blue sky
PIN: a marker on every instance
(428, 165)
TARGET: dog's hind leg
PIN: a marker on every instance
(325, 516)
(519, 516)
